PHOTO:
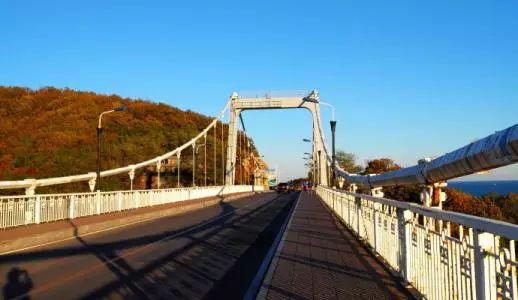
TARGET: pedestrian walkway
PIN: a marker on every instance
(319, 259)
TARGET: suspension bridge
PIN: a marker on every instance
(228, 237)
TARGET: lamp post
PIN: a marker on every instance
(99, 141)
(333, 139)
(205, 159)
(314, 163)
(333, 132)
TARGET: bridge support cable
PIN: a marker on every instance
(178, 168)
(243, 140)
(131, 174)
(247, 159)
(193, 164)
(238, 157)
(215, 147)
(205, 162)
(222, 153)
(158, 167)
(31, 184)
(242, 157)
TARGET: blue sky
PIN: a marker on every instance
(409, 79)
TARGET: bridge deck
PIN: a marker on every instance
(319, 259)
(207, 253)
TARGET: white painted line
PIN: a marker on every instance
(103, 230)
(256, 284)
(96, 266)
(263, 291)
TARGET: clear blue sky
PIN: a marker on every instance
(408, 78)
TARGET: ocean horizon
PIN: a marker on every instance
(481, 188)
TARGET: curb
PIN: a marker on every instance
(273, 256)
(72, 231)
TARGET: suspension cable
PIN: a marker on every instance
(215, 146)
(178, 158)
(247, 159)
(193, 163)
(239, 157)
(205, 162)
(223, 162)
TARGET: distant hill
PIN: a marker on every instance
(52, 132)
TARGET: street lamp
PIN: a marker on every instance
(315, 163)
(99, 139)
(205, 159)
(333, 131)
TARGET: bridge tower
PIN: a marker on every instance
(309, 102)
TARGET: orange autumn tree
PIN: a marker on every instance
(50, 132)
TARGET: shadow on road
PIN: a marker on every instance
(18, 284)
(188, 270)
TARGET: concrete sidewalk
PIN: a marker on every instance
(320, 259)
(21, 237)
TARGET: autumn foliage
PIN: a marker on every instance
(51, 132)
(493, 206)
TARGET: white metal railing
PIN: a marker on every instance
(24, 210)
(444, 255)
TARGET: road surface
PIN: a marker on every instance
(210, 253)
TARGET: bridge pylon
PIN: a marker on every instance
(238, 105)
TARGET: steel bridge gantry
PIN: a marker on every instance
(309, 102)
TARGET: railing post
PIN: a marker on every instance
(482, 244)
(342, 205)
(358, 208)
(376, 207)
(349, 212)
(71, 204)
(98, 202)
(37, 210)
(119, 201)
(377, 192)
(333, 198)
(137, 199)
(404, 222)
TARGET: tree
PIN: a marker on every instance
(347, 161)
(465, 203)
(408, 193)
(381, 165)
(50, 132)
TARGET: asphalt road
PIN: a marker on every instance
(211, 253)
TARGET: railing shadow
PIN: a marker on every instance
(117, 265)
(212, 255)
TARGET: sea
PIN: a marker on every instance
(481, 188)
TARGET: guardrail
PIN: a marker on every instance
(444, 255)
(24, 210)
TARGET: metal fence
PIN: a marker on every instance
(24, 210)
(444, 255)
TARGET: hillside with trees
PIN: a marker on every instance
(51, 132)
